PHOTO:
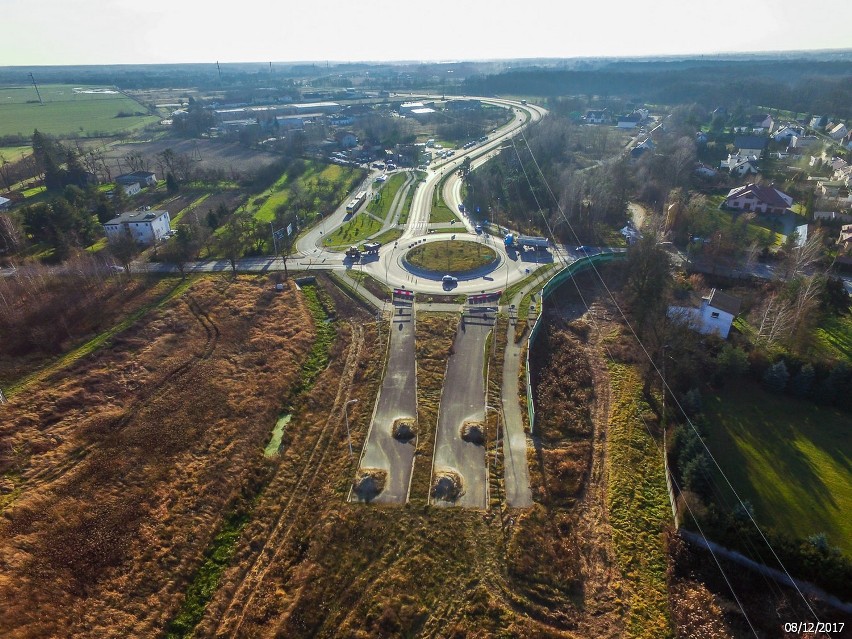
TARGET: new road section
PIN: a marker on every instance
(391, 440)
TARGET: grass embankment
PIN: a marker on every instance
(374, 286)
(788, 457)
(391, 235)
(434, 341)
(539, 274)
(68, 112)
(419, 176)
(456, 257)
(638, 505)
(381, 207)
(440, 213)
(178, 287)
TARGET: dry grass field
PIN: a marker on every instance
(129, 460)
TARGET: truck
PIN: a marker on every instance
(356, 203)
(353, 253)
(371, 248)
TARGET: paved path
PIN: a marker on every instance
(397, 400)
(463, 399)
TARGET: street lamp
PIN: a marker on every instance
(346, 415)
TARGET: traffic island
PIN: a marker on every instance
(458, 258)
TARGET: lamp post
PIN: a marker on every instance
(346, 415)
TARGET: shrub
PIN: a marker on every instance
(776, 377)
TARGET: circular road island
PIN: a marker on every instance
(453, 257)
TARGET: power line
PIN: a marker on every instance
(665, 385)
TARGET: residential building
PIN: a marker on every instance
(838, 132)
(804, 141)
(600, 116)
(346, 139)
(761, 122)
(786, 133)
(143, 178)
(750, 145)
(740, 165)
(761, 199)
(833, 216)
(714, 315)
(5, 203)
(146, 227)
(629, 121)
(705, 171)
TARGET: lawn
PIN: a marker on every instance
(15, 153)
(356, 230)
(381, 206)
(340, 178)
(791, 459)
(451, 256)
(68, 110)
(834, 338)
(441, 213)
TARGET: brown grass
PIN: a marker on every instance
(129, 462)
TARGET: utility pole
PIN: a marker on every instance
(346, 415)
(38, 93)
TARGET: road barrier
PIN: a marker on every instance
(551, 285)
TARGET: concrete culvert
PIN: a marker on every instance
(447, 486)
(369, 482)
(403, 430)
(473, 432)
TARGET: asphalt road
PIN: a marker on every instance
(397, 399)
(463, 399)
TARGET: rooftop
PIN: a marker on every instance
(723, 302)
(136, 216)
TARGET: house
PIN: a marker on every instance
(714, 315)
(845, 239)
(838, 132)
(786, 133)
(143, 178)
(346, 139)
(829, 188)
(740, 165)
(5, 203)
(761, 122)
(131, 189)
(761, 199)
(750, 145)
(832, 216)
(804, 141)
(705, 171)
(818, 121)
(629, 121)
(701, 138)
(146, 227)
(594, 116)
(642, 147)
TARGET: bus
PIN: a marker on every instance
(355, 204)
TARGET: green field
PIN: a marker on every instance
(381, 207)
(67, 112)
(791, 459)
(834, 338)
(339, 178)
(356, 230)
(15, 153)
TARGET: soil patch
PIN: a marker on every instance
(448, 486)
(403, 429)
(369, 482)
(473, 432)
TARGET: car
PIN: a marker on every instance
(478, 228)
(584, 249)
(449, 281)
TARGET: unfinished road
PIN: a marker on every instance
(396, 405)
(463, 402)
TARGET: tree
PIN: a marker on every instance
(124, 248)
(232, 238)
(776, 376)
(732, 362)
(803, 382)
(648, 282)
(172, 185)
(182, 248)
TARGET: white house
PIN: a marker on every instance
(143, 178)
(715, 314)
(629, 121)
(838, 132)
(5, 203)
(705, 171)
(761, 122)
(146, 227)
(595, 116)
(786, 133)
(740, 165)
(761, 199)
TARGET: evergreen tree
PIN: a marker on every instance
(776, 377)
(803, 382)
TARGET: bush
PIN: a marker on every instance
(732, 362)
(803, 382)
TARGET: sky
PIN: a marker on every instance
(49, 32)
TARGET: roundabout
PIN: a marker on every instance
(460, 258)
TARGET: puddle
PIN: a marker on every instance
(277, 433)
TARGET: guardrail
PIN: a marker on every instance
(551, 285)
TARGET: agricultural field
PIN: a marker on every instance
(788, 457)
(69, 111)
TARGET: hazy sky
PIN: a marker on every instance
(120, 31)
